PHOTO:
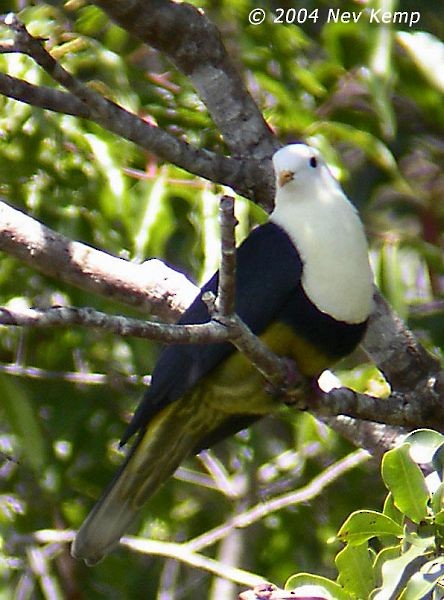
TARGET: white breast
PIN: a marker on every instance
(329, 236)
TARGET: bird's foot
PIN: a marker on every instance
(293, 391)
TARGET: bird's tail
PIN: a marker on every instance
(169, 437)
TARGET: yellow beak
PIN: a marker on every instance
(284, 177)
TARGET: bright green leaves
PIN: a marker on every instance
(398, 553)
(364, 525)
(390, 276)
(406, 482)
(425, 580)
(394, 571)
(355, 570)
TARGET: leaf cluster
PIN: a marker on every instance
(396, 553)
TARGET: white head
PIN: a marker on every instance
(300, 168)
(312, 209)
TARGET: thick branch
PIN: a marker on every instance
(395, 350)
(193, 43)
(376, 438)
(422, 407)
(150, 286)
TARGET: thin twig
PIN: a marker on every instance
(64, 316)
(75, 377)
(179, 552)
(263, 509)
(223, 482)
(183, 553)
(227, 271)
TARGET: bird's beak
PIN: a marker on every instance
(284, 177)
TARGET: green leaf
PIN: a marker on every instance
(386, 554)
(112, 200)
(355, 567)
(395, 571)
(328, 585)
(425, 580)
(439, 519)
(24, 421)
(391, 281)
(404, 479)
(390, 510)
(154, 221)
(438, 461)
(427, 52)
(380, 77)
(209, 206)
(423, 444)
(438, 504)
(363, 525)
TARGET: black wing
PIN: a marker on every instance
(268, 269)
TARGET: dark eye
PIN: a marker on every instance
(313, 162)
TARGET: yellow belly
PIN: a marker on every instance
(236, 387)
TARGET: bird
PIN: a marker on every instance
(304, 286)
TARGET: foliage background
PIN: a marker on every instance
(371, 98)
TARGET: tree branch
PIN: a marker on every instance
(305, 494)
(376, 438)
(177, 551)
(61, 316)
(416, 408)
(42, 97)
(241, 175)
(188, 552)
(396, 351)
(424, 407)
(222, 307)
(227, 272)
(194, 44)
(150, 286)
(75, 377)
